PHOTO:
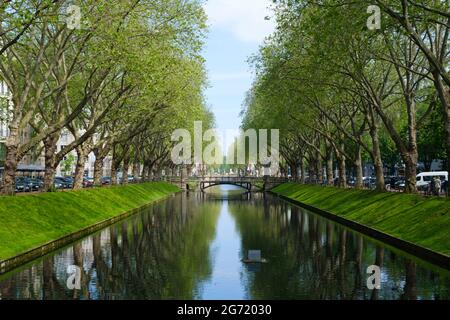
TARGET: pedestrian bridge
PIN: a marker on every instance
(251, 184)
(242, 182)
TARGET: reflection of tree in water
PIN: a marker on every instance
(170, 255)
(312, 258)
(161, 253)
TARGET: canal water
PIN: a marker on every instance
(191, 246)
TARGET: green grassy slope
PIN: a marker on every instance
(423, 221)
(29, 221)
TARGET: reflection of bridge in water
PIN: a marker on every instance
(251, 184)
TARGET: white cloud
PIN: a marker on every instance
(244, 18)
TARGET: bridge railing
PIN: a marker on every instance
(227, 178)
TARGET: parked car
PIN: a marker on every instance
(424, 179)
(336, 182)
(130, 179)
(21, 185)
(391, 182)
(60, 183)
(34, 184)
(88, 182)
(68, 182)
(369, 182)
(106, 181)
(351, 182)
(400, 184)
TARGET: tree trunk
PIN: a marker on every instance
(412, 156)
(145, 171)
(319, 168)
(342, 167)
(411, 173)
(302, 172)
(126, 167)
(150, 172)
(342, 171)
(312, 177)
(358, 168)
(114, 169)
(376, 158)
(98, 171)
(408, 151)
(79, 168)
(9, 174)
(444, 97)
(313, 174)
(115, 163)
(330, 177)
(136, 171)
(294, 170)
(447, 136)
(50, 145)
(379, 174)
(49, 176)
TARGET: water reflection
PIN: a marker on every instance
(190, 247)
(313, 258)
(162, 253)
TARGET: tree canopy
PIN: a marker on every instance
(343, 92)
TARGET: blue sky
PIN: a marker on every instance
(237, 29)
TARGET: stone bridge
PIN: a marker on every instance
(251, 184)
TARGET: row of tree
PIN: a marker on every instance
(343, 93)
(119, 76)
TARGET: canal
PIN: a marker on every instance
(191, 246)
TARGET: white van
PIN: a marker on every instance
(425, 178)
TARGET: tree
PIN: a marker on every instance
(105, 83)
(67, 164)
(333, 77)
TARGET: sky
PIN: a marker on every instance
(236, 30)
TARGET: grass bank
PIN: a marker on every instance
(422, 221)
(30, 221)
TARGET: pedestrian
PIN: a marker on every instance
(445, 187)
(431, 188)
(437, 186)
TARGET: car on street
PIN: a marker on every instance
(60, 183)
(400, 184)
(68, 182)
(34, 184)
(424, 179)
(106, 181)
(130, 179)
(391, 182)
(88, 182)
(351, 182)
(22, 185)
(369, 182)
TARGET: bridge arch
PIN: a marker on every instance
(209, 184)
(248, 183)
